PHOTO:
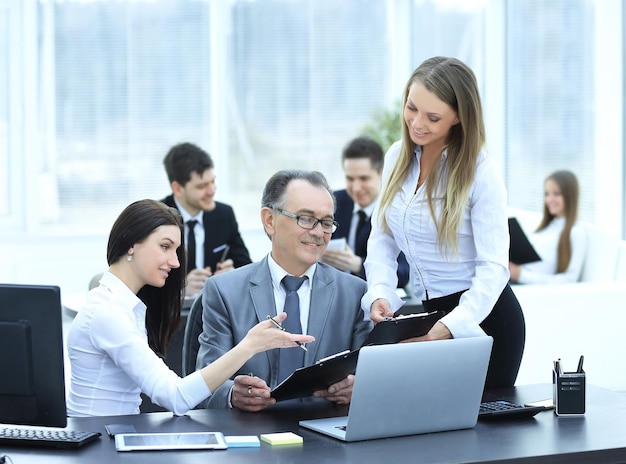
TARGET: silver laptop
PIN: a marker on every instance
(411, 388)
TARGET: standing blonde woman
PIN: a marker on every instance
(443, 204)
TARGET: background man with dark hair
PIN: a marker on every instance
(212, 237)
(362, 161)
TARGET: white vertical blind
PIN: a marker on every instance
(549, 98)
(132, 79)
(98, 90)
(300, 78)
(287, 83)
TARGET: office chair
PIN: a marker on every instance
(95, 280)
(193, 329)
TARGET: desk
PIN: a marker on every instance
(599, 437)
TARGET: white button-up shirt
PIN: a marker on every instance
(546, 243)
(112, 362)
(483, 247)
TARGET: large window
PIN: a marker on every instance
(281, 83)
(266, 85)
(564, 75)
(550, 97)
(107, 86)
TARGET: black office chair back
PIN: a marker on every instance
(193, 329)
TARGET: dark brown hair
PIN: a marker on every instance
(365, 147)
(183, 160)
(134, 225)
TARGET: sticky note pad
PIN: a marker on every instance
(284, 438)
(242, 441)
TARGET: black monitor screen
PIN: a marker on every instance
(32, 379)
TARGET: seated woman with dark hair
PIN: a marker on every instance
(126, 322)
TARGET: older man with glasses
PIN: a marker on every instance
(298, 216)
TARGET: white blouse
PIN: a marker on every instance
(545, 243)
(483, 243)
(112, 363)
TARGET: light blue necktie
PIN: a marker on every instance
(291, 358)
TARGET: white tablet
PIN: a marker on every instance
(169, 441)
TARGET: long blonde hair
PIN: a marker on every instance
(454, 83)
(568, 185)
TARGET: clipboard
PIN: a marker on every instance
(396, 329)
(521, 250)
(319, 376)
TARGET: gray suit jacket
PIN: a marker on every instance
(236, 301)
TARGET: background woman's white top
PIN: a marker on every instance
(545, 243)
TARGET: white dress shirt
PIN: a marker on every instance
(483, 247)
(545, 243)
(112, 363)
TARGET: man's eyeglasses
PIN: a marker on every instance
(309, 222)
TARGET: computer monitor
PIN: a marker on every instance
(32, 379)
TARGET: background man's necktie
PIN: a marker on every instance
(191, 245)
(360, 244)
(291, 358)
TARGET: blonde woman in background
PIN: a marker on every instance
(560, 240)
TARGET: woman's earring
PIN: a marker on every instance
(129, 257)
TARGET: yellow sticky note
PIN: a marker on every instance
(283, 438)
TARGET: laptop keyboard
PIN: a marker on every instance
(47, 438)
(501, 409)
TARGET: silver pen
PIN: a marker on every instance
(278, 326)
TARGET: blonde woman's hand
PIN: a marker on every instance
(438, 332)
(514, 270)
(380, 310)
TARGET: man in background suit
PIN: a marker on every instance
(216, 239)
(297, 216)
(362, 161)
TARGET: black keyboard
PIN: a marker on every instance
(502, 409)
(44, 437)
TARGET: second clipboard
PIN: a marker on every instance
(304, 381)
(400, 328)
